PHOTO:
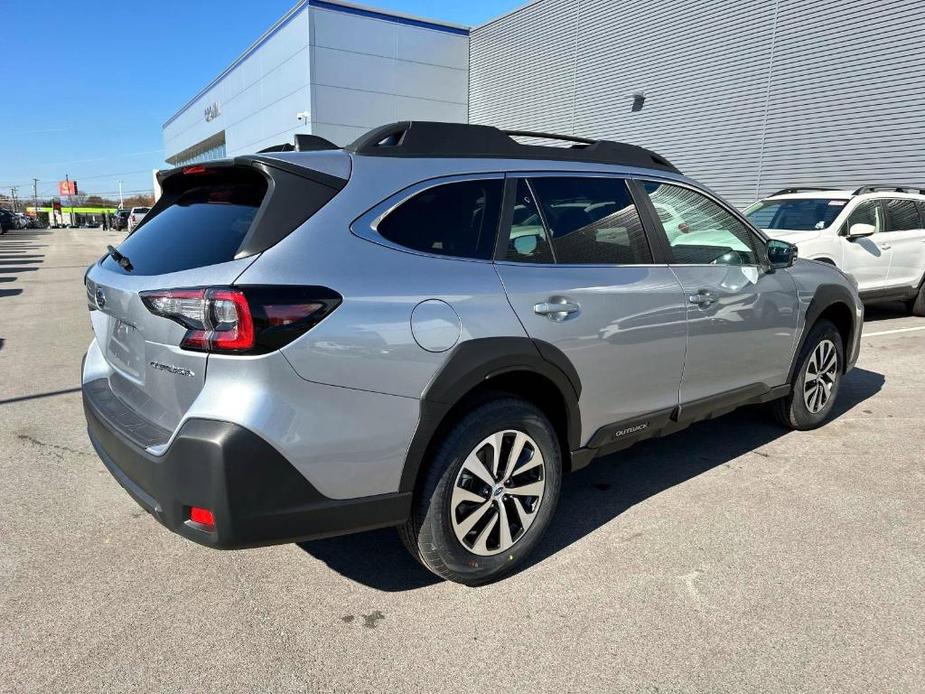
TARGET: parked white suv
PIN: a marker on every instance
(876, 234)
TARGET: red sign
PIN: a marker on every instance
(56, 206)
(67, 187)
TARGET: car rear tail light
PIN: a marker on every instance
(203, 517)
(242, 320)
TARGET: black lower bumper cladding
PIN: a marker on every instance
(257, 497)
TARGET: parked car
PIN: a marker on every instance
(120, 220)
(427, 329)
(7, 220)
(875, 233)
(135, 215)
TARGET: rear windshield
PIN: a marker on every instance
(796, 214)
(204, 225)
(142, 209)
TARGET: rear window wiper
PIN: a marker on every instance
(119, 258)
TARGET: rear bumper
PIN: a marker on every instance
(257, 497)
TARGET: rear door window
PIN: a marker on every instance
(592, 221)
(458, 219)
(902, 215)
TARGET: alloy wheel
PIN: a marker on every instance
(498, 492)
(821, 374)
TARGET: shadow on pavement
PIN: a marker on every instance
(596, 495)
(37, 396)
(17, 255)
(885, 311)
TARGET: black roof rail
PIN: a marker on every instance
(888, 187)
(802, 189)
(302, 142)
(434, 139)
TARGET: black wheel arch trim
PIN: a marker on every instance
(473, 362)
(826, 296)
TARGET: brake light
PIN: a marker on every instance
(194, 170)
(251, 320)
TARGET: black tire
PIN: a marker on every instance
(429, 535)
(916, 306)
(793, 411)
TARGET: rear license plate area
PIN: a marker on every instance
(126, 349)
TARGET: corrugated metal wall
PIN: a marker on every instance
(746, 96)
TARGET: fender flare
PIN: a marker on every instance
(826, 295)
(824, 259)
(475, 361)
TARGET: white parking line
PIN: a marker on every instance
(891, 332)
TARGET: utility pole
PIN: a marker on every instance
(13, 190)
(35, 199)
(121, 205)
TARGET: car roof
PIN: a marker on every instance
(813, 195)
(845, 195)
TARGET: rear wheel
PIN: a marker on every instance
(815, 384)
(489, 494)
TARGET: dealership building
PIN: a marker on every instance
(748, 96)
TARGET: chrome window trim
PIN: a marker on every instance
(366, 225)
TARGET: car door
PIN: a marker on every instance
(905, 235)
(578, 270)
(741, 316)
(867, 258)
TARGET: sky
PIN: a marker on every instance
(87, 85)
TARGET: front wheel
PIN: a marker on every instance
(916, 306)
(815, 384)
(489, 494)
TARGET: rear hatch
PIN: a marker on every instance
(210, 224)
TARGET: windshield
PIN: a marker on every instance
(803, 214)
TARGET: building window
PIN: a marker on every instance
(210, 154)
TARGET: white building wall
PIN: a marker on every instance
(258, 97)
(350, 68)
(368, 71)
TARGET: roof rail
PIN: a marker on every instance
(302, 142)
(888, 187)
(802, 189)
(434, 139)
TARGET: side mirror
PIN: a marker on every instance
(781, 254)
(858, 231)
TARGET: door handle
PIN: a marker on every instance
(703, 298)
(556, 309)
(884, 246)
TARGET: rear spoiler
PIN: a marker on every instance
(250, 160)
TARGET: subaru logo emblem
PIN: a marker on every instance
(100, 297)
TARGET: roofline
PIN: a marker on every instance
(336, 6)
(811, 193)
(519, 8)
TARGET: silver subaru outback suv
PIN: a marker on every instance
(428, 328)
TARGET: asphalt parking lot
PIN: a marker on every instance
(729, 557)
